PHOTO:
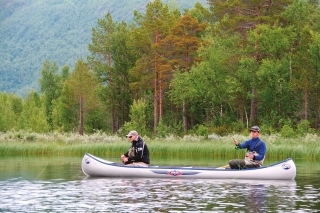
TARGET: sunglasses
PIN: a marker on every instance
(129, 136)
(254, 131)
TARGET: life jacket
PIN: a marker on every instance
(255, 153)
(132, 151)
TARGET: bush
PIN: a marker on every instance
(267, 129)
(137, 117)
(162, 129)
(202, 130)
(220, 130)
(287, 132)
(303, 128)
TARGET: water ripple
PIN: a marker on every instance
(155, 195)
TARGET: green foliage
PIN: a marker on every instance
(138, 118)
(287, 131)
(111, 58)
(163, 130)
(65, 114)
(10, 110)
(252, 69)
(33, 117)
(95, 121)
(220, 130)
(202, 130)
(52, 31)
(83, 87)
(51, 86)
(303, 128)
(267, 129)
(209, 85)
(167, 126)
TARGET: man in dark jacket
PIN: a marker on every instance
(138, 154)
(256, 151)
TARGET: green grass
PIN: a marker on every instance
(22, 143)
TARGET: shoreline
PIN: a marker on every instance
(112, 145)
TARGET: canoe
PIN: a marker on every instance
(96, 167)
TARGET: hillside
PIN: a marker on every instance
(59, 30)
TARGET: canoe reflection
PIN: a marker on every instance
(257, 196)
(214, 195)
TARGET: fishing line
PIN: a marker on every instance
(43, 169)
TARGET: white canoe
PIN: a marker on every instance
(97, 167)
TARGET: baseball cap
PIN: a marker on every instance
(132, 133)
(255, 128)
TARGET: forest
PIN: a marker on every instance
(58, 30)
(217, 69)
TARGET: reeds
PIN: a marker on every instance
(23, 143)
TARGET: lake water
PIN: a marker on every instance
(57, 184)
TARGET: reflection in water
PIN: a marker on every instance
(267, 196)
(146, 195)
(57, 184)
(256, 197)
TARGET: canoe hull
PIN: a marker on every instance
(97, 167)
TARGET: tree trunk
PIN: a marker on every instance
(317, 110)
(185, 118)
(113, 122)
(306, 102)
(81, 115)
(156, 92)
(160, 98)
(155, 102)
(113, 110)
(242, 112)
(184, 107)
(254, 107)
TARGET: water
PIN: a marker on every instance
(57, 184)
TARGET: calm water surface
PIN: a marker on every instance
(57, 184)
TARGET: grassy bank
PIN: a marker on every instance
(19, 143)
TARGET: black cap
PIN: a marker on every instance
(255, 128)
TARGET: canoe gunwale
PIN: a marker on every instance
(110, 163)
(97, 167)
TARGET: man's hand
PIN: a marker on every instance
(235, 142)
(250, 156)
(124, 159)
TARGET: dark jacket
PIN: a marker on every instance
(140, 152)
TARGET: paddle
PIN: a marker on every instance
(224, 167)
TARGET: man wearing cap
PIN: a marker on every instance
(138, 154)
(256, 151)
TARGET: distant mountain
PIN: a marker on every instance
(58, 30)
